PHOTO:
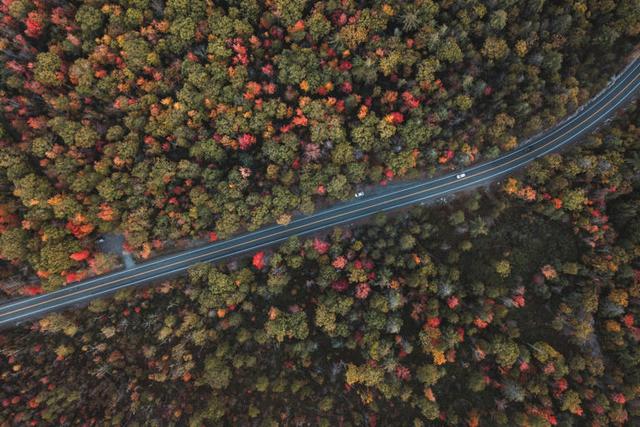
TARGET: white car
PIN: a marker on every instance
(461, 175)
(360, 194)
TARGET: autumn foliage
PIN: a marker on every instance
(168, 122)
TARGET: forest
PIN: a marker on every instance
(180, 120)
(515, 306)
(173, 122)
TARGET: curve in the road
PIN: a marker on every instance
(619, 92)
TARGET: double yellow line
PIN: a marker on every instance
(350, 213)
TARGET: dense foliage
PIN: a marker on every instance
(518, 307)
(171, 119)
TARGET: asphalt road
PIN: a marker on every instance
(621, 91)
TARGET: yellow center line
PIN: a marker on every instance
(287, 230)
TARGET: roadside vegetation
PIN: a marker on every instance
(514, 307)
(173, 120)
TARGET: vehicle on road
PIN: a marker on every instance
(461, 175)
(359, 194)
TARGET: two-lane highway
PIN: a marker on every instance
(621, 91)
